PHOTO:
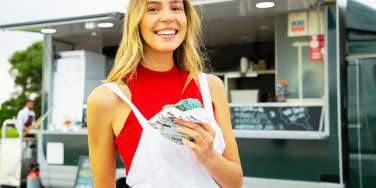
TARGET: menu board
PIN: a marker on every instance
(83, 178)
(278, 118)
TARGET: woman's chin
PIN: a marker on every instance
(166, 48)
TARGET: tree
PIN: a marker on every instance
(26, 69)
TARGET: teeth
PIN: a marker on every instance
(166, 32)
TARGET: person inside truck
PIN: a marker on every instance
(159, 63)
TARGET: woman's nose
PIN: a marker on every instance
(167, 16)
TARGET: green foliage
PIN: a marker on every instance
(26, 69)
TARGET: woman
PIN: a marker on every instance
(159, 62)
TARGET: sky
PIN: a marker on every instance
(12, 41)
(37, 10)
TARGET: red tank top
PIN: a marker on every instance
(151, 90)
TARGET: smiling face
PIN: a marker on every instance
(164, 25)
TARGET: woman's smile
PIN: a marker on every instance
(167, 32)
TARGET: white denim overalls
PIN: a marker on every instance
(160, 163)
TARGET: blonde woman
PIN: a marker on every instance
(159, 62)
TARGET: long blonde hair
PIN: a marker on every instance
(189, 56)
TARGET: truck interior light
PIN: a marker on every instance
(90, 25)
(105, 25)
(265, 4)
(48, 30)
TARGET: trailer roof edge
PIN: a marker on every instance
(59, 21)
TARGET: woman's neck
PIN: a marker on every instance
(157, 61)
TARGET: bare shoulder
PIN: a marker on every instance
(214, 81)
(216, 86)
(104, 107)
(103, 98)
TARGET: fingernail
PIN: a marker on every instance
(183, 140)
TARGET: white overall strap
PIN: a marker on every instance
(142, 120)
(219, 143)
(205, 92)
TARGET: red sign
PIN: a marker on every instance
(316, 47)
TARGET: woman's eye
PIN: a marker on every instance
(153, 9)
(177, 8)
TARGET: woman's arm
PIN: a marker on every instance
(101, 137)
(226, 169)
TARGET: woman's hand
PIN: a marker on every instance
(203, 135)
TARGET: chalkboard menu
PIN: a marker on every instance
(276, 118)
(84, 178)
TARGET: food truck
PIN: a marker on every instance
(299, 76)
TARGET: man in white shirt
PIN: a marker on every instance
(26, 116)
